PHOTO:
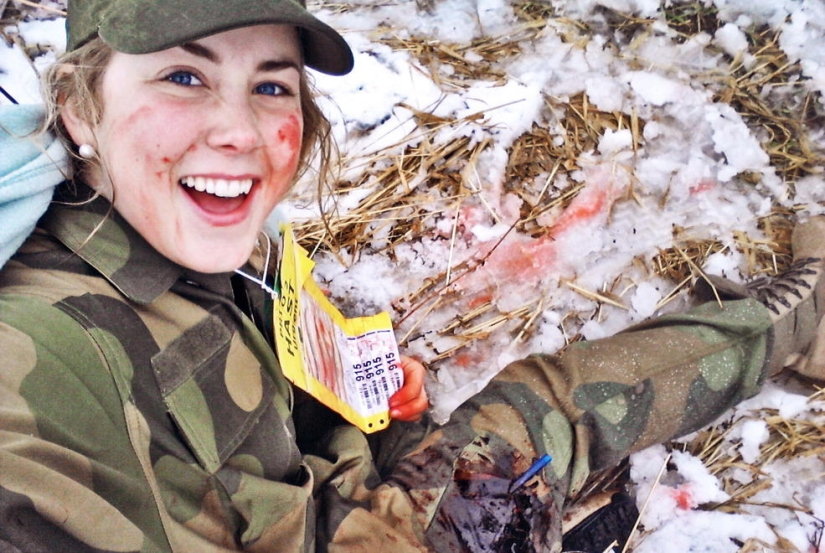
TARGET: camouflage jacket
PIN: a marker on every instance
(142, 408)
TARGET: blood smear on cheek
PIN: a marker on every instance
(290, 134)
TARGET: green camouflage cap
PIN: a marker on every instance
(144, 26)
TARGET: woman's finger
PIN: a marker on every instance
(410, 401)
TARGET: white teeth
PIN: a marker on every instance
(222, 188)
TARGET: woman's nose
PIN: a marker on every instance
(234, 128)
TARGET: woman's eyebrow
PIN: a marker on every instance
(201, 51)
(277, 65)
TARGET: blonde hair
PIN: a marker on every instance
(75, 79)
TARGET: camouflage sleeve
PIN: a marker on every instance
(588, 407)
(69, 479)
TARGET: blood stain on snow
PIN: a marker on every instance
(683, 495)
(519, 259)
(480, 299)
(704, 185)
(590, 202)
(469, 359)
(514, 260)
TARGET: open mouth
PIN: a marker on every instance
(217, 196)
(223, 188)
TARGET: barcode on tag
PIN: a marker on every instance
(374, 373)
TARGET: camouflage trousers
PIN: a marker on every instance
(588, 407)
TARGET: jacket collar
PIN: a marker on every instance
(90, 228)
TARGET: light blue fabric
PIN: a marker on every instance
(30, 169)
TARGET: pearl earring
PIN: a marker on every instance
(86, 151)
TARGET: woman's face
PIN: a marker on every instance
(201, 141)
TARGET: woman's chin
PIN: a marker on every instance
(214, 259)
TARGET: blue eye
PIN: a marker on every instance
(270, 89)
(184, 78)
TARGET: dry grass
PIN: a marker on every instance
(396, 200)
(765, 93)
(12, 11)
(537, 156)
(691, 18)
(398, 208)
(789, 439)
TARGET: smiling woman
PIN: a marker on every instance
(142, 404)
(185, 129)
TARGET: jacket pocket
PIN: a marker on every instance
(214, 390)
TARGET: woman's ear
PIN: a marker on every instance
(76, 125)
(74, 119)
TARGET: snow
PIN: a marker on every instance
(682, 180)
(753, 434)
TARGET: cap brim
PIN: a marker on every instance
(154, 25)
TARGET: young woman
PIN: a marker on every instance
(142, 407)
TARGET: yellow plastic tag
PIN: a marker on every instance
(350, 365)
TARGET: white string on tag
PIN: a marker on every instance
(262, 281)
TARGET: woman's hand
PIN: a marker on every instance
(410, 401)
